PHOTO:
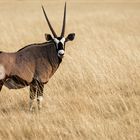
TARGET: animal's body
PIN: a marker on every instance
(34, 64)
(36, 61)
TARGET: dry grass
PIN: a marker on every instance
(95, 94)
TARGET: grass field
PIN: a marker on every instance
(95, 94)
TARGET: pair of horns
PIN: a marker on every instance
(51, 28)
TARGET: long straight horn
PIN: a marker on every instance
(64, 22)
(51, 28)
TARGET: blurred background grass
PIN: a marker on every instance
(95, 94)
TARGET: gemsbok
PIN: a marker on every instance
(33, 65)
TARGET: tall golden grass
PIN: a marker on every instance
(95, 94)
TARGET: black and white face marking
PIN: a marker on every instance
(60, 46)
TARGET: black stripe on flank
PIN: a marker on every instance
(15, 82)
(19, 80)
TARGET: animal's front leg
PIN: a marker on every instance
(33, 94)
(40, 95)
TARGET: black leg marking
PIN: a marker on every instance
(33, 90)
(40, 88)
(36, 90)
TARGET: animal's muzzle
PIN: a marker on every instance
(61, 53)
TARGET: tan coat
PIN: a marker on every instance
(36, 61)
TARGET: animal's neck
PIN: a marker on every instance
(60, 60)
(54, 60)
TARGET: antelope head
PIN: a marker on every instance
(59, 40)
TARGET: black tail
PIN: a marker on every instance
(1, 84)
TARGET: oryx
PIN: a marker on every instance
(33, 65)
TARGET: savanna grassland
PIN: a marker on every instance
(95, 94)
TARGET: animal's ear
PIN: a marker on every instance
(48, 37)
(70, 37)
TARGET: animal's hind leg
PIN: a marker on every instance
(33, 94)
(40, 94)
